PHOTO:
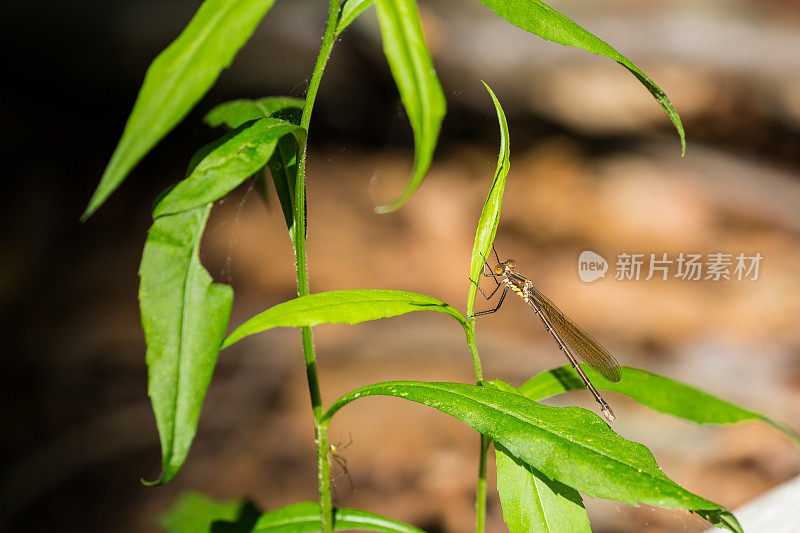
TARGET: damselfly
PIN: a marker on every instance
(571, 339)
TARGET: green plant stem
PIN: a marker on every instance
(480, 500)
(480, 496)
(320, 426)
(473, 349)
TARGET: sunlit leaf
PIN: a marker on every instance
(197, 513)
(340, 307)
(184, 317)
(177, 79)
(531, 501)
(420, 91)
(236, 112)
(244, 151)
(657, 392)
(283, 162)
(490, 215)
(540, 19)
(568, 444)
(350, 11)
(305, 518)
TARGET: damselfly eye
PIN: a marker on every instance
(498, 269)
(512, 263)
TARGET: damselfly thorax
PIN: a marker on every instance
(570, 338)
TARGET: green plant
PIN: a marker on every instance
(546, 456)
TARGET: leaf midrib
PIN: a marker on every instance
(184, 321)
(539, 500)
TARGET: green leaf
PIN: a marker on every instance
(350, 11)
(531, 501)
(184, 317)
(340, 307)
(420, 91)
(241, 155)
(177, 79)
(656, 392)
(539, 18)
(197, 513)
(568, 444)
(283, 168)
(236, 112)
(283, 163)
(490, 215)
(305, 518)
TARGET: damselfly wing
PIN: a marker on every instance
(577, 340)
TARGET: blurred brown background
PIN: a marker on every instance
(595, 165)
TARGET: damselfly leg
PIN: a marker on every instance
(495, 308)
(489, 274)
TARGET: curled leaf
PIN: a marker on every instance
(420, 91)
(538, 18)
(490, 214)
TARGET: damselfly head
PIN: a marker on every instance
(501, 268)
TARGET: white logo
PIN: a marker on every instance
(591, 266)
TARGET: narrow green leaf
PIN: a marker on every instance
(197, 513)
(568, 444)
(539, 18)
(283, 168)
(420, 91)
(340, 307)
(490, 215)
(184, 317)
(531, 501)
(656, 392)
(177, 79)
(240, 156)
(283, 163)
(350, 12)
(236, 112)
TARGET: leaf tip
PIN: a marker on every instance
(488, 88)
(387, 208)
(94, 204)
(228, 341)
(156, 482)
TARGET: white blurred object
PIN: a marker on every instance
(775, 512)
